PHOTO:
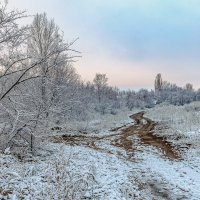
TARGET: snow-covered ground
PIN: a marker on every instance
(60, 171)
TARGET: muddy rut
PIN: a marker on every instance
(123, 138)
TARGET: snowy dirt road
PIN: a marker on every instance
(148, 163)
(128, 162)
(127, 138)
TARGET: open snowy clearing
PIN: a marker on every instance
(119, 164)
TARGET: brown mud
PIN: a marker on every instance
(143, 128)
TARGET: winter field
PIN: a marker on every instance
(94, 159)
(70, 132)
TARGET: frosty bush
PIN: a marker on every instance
(51, 179)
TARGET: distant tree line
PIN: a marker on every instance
(163, 92)
(173, 94)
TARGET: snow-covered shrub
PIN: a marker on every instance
(51, 177)
(64, 183)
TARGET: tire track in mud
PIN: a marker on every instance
(143, 128)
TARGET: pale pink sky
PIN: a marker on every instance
(130, 41)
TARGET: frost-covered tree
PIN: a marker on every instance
(189, 87)
(56, 73)
(35, 65)
(12, 56)
(14, 71)
(45, 42)
(106, 96)
(158, 82)
(100, 82)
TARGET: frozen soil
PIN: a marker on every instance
(129, 162)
